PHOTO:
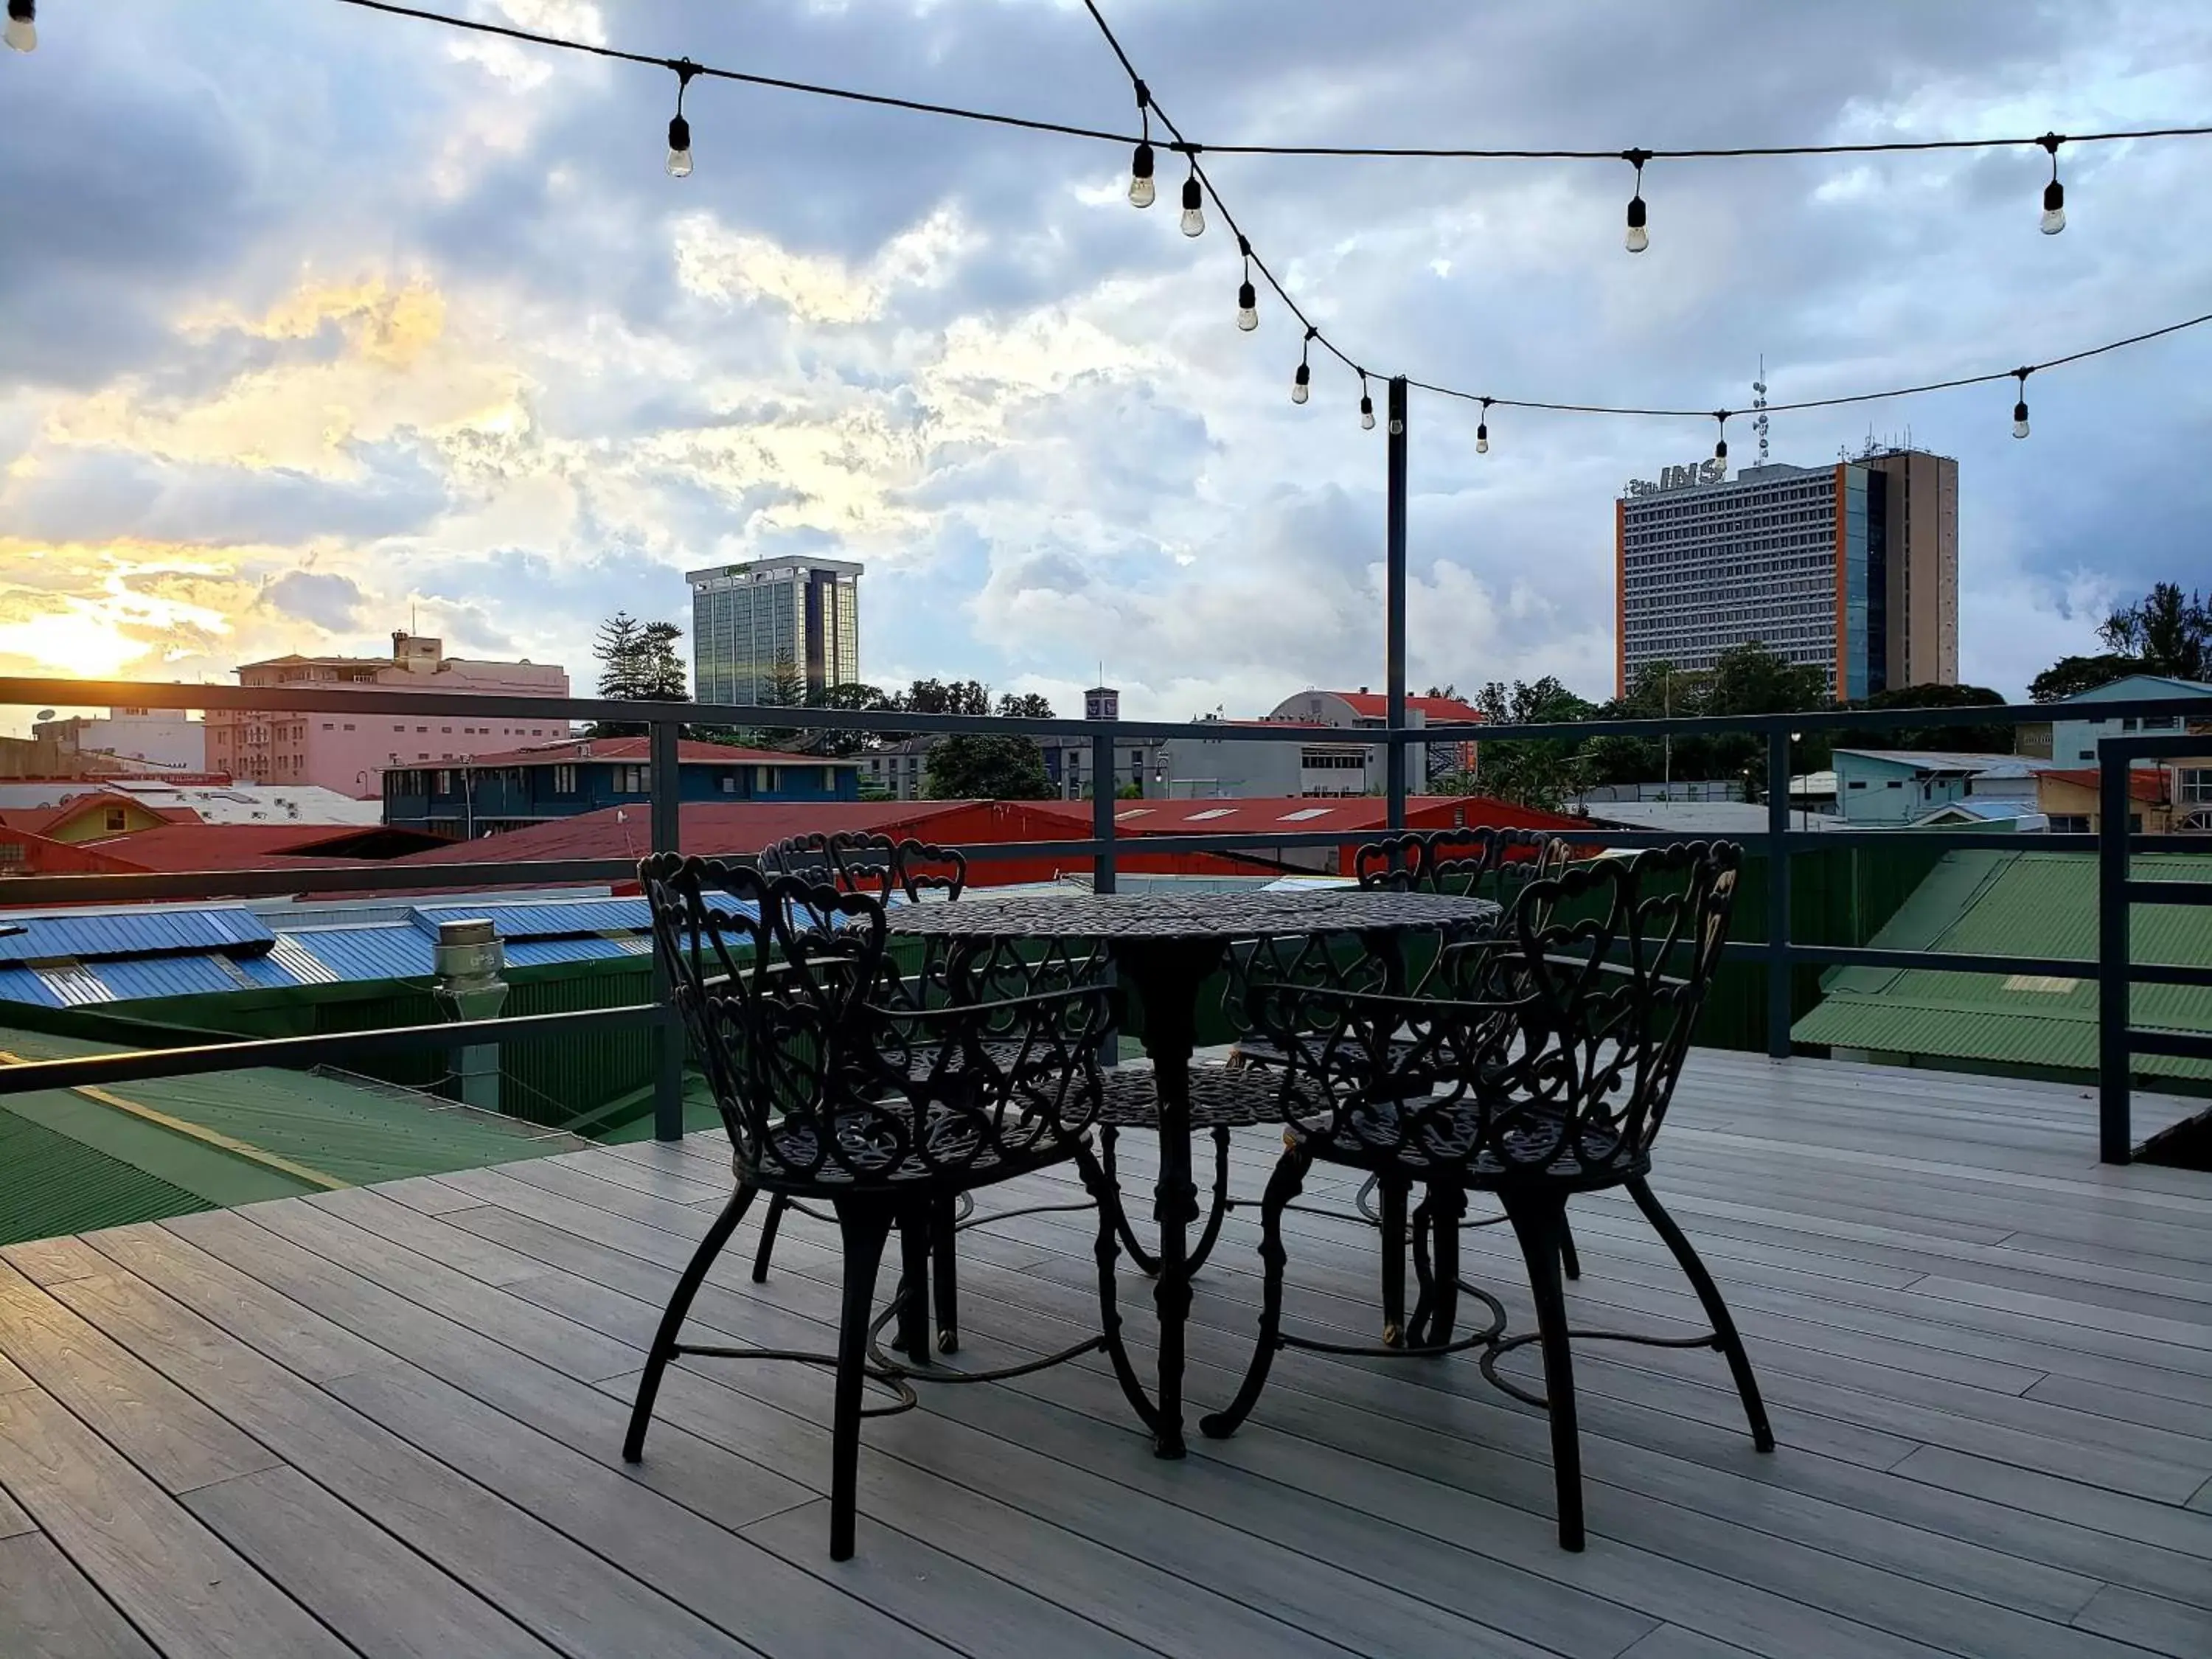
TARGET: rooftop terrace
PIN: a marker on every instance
(388, 1420)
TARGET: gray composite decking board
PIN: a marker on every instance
(1990, 1360)
(380, 1596)
(314, 1347)
(172, 1439)
(47, 1261)
(572, 1598)
(11, 1378)
(369, 1210)
(49, 1610)
(2149, 1621)
(179, 1584)
(12, 1518)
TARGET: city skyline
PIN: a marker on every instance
(411, 320)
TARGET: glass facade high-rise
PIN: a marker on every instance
(752, 623)
(1853, 568)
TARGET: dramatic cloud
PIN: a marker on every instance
(323, 320)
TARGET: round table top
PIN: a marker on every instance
(1188, 916)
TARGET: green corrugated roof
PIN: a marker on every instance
(2022, 904)
(72, 1161)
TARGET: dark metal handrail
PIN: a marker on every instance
(665, 722)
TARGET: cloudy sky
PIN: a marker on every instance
(312, 321)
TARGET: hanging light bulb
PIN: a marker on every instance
(1247, 297)
(1719, 449)
(1194, 202)
(1638, 238)
(1482, 430)
(679, 129)
(1141, 193)
(22, 31)
(2054, 193)
(2019, 409)
(1366, 405)
(1302, 382)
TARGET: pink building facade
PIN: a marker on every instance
(350, 753)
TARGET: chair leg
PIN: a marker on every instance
(1203, 1248)
(1393, 1214)
(1725, 1337)
(1538, 1219)
(912, 1320)
(1448, 1205)
(942, 1275)
(866, 1226)
(777, 1205)
(671, 1319)
(1571, 1262)
(1283, 1187)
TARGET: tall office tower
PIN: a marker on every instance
(1853, 568)
(749, 621)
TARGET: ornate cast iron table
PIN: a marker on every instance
(1163, 946)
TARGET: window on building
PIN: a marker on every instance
(329, 727)
(1855, 783)
(2069, 823)
(117, 818)
(729, 783)
(2197, 785)
(2135, 823)
(423, 731)
(349, 725)
(2086, 754)
(1895, 783)
(633, 779)
(444, 784)
(564, 779)
(764, 780)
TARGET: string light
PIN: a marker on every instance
(1366, 405)
(1194, 202)
(1247, 297)
(1719, 449)
(1302, 382)
(1482, 430)
(2054, 193)
(22, 31)
(1199, 185)
(1637, 238)
(1141, 193)
(2019, 409)
(679, 129)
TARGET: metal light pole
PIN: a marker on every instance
(1393, 605)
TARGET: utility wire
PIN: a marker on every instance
(1193, 150)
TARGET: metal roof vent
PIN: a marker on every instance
(470, 964)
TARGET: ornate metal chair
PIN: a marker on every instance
(1483, 861)
(1556, 1082)
(883, 1110)
(858, 862)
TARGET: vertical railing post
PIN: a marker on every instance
(1393, 606)
(1102, 812)
(1780, 971)
(667, 836)
(2115, 1136)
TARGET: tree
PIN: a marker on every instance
(784, 688)
(973, 767)
(1991, 740)
(1539, 772)
(1030, 706)
(638, 662)
(2071, 676)
(2170, 632)
(615, 645)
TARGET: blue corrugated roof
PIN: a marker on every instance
(387, 951)
(232, 929)
(562, 918)
(22, 985)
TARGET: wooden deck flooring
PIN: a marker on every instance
(387, 1421)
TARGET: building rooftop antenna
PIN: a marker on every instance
(1758, 405)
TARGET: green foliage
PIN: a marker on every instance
(638, 662)
(969, 766)
(2168, 631)
(1030, 706)
(1542, 773)
(1991, 740)
(2071, 676)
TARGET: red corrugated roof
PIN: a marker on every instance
(2144, 783)
(1373, 705)
(708, 829)
(182, 847)
(639, 749)
(1354, 815)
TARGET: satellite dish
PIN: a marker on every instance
(45, 714)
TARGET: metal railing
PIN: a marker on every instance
(664, 721)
